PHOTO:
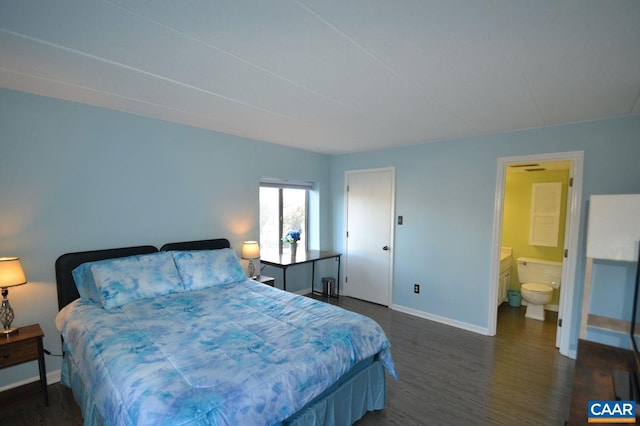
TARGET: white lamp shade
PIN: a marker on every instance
(11, 273)
(251, 250)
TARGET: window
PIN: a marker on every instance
(283, 208)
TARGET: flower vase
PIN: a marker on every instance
(294, 248)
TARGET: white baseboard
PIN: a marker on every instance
(443, 320)
(52, 377)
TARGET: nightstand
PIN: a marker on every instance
(25, 346)
(264, 279)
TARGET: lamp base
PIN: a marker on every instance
(8, 332)
(252, 270)
(6, 315)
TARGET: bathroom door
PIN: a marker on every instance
(567, 237)
(369, 238)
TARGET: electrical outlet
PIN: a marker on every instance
(416, 288)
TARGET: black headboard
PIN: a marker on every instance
(67, 291)
(215, 244)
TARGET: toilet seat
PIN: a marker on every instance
(537, 288)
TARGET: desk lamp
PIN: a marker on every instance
(11, 275)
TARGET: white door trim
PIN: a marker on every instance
(392, 170)
(567, 289)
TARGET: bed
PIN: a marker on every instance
(180, 336)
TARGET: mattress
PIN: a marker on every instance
(237, 353)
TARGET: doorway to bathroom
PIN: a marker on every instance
(513, 217)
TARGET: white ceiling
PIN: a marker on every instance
(332, 76)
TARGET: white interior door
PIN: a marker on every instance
(565, 269)
(369, 246)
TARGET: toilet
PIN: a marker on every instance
(538, 278)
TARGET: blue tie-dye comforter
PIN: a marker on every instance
(234, 354)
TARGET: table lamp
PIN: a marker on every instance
(251, 250)
(11, 275)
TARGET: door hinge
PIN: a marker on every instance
(346, 279)
(347, 188)
(566, 252)
(571, 182)
(347, 234)
(560, 322)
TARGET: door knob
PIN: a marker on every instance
(385, 248)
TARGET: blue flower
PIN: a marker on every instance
(292, 237)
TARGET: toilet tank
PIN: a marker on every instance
(532, 270)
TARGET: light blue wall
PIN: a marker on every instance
(75, 177)
(446, 192)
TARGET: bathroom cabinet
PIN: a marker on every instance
(505, 283)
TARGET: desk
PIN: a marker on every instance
(284, 261)
(592, 377)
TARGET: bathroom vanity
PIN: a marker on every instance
(506, 257)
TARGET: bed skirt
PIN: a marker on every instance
(361, 390)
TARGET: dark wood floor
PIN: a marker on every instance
(446, 376)
(451, 376)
